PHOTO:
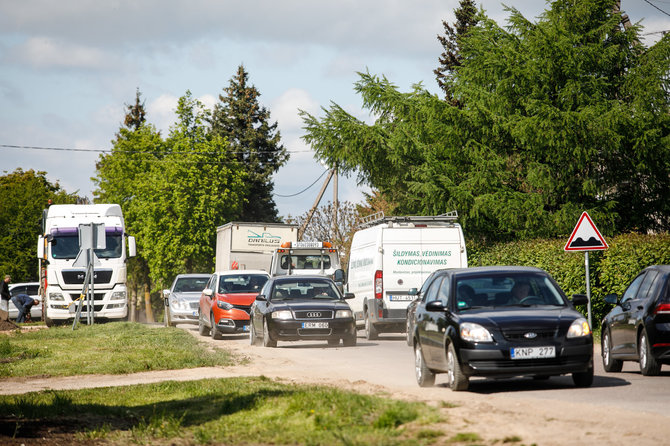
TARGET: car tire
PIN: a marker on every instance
(253, 339)
(649, 366)
(202, 328)
(408, 332)
(609, 364)
(583, 379)
(349, 341)
(370, 331)
(456, 380)
(216, 334)
(424, 376)
(267, 340)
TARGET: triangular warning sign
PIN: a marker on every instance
(585, 236)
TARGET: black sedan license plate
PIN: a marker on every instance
(315, 325)
(533, 352)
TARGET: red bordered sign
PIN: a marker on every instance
(585, 236)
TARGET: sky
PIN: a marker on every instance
(68, 69)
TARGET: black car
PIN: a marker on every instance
(638, 327)
(294, 308)
(411, 308)
(500, 322)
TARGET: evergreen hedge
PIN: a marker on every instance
(610, 271)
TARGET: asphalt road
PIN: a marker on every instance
(390, 362)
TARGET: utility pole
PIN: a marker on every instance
(302, 228)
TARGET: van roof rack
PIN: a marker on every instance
(379, 218)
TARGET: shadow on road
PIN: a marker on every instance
(491, 386)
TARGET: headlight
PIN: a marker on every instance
(178, 304)
(282, 314)
(579, 328)
(343, 314)
(475, 333)
(224, 305)
(119, 295)
(56, 296)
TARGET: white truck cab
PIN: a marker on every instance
(305, 258)
(391, 255)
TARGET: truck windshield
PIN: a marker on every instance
(67, 247)
(306, 261)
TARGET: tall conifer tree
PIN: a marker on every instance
(240, 119)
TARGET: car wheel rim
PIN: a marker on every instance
(606, 349)
(450, 368)
(643, 351)
(418, 363)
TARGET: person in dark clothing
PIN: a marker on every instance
(23, 303)
(4, 294)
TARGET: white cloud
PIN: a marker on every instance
(45, 52)
(161, 111)
(285, 108)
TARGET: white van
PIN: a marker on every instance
(391, 255)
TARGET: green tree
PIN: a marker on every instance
(466, 17)
(563, 115)
(245, 124)
(23, 197)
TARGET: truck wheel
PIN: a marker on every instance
(202, 329)
(267, 341)
(214, 331)
(370, 330)
(48, 321)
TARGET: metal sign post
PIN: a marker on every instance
(91, 236)
(586, 237)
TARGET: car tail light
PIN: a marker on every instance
(662, 309)
(379, 287)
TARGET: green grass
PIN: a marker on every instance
(223, 411)
(116, 348)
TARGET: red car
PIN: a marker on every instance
(226, 300)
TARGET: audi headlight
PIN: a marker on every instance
(224, 305)
(179, 304)
(343, 314)
(56, 296)
(475, 333)
(118, 295)
(282, 314)
(579, 328)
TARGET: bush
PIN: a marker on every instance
(610, 271)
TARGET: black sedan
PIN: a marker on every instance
(294, 308)
(499, 322)
(638, 327)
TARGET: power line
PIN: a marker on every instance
(305, 189)
(666, 13)
(151, 152)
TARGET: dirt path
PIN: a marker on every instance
(495, 417)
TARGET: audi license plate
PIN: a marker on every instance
(533, 352)
(315, 325)
(400, 297)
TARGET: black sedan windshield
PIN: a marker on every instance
(519, 289)
(304, 289)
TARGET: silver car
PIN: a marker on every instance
(32, 290)
(181, 301)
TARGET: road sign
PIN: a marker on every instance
(585, 236)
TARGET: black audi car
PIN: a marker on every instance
(500, 322)
(294, 308)
(638, 327)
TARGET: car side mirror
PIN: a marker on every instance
(261, 298)
(208, 292)
(580, 299)
(166, 293)
(413, 292)
(349, 295)
(435, 305)
(612, 299)
(340, 276)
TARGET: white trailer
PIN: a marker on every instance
(391, 255)
(241, 245)
(61, 281)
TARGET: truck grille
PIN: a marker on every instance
(76, 277)
(96, 296)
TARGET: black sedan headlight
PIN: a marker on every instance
(579, 328)
(475, 333)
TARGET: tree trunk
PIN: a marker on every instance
(147, 304)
